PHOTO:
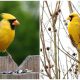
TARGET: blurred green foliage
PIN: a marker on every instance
(26, 41)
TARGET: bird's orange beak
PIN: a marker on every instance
(16, 22)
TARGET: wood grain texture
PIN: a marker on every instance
(31, 63)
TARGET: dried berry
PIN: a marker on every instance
(46, 67)
(40, 49)
(75, 72)
(73, 54)
(70, 69)
(49, 29)
(48, 48)
(59, 10)
(76, 66)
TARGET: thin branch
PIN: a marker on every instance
(70, 7)
(68, 71)
(65, 52)
(46, 70)
(48, 8)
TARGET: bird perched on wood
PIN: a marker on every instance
(74, 32)
(7, 30)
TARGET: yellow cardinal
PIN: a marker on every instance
(74, 29)
(74, 32)
(7, 30)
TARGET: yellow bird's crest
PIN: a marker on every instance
(7, 16)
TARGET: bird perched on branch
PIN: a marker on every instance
(7, 30)
(74, 32)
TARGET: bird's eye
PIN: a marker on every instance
(11, 20)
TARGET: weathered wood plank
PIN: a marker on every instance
(7, 64)
(31, 63)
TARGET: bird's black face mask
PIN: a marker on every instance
(71, 17)
(11, 22)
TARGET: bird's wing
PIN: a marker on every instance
(79, 42)
(72, 41)
(3, 31)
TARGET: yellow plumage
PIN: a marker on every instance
(74, 31)
(7, 33)
(7, 16)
